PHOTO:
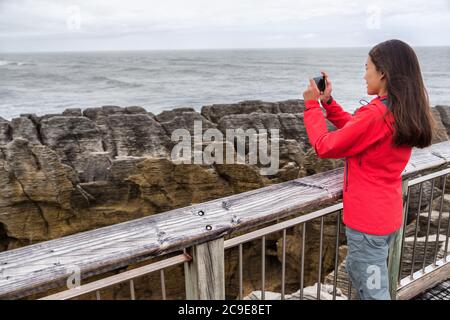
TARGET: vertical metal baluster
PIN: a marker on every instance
(320, 258)
(163, 283)
(428, 227)
(302, 271)
(240, 272)
(97, 295)
(436, 247)
(283, 265)
(349, 281)
(404, 236)
(336, 254)
(133, 295)
(446, 239)
(349, 289)
(413, 260)
(263, 266)
(186, 270)
(448, 232)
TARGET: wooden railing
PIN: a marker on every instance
(199, 231)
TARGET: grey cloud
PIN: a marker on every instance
(138, 24)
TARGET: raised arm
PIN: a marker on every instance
(365, 128)
(336, 114)
(361, 130)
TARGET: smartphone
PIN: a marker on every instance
(320, 81)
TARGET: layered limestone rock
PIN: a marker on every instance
(82, 169)
(114, 164)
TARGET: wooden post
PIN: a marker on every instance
(205, 276)
(396, 248)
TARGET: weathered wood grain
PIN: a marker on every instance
(46, 265)
(431, 277)
(427, 158)
(205, 273)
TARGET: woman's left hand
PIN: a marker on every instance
(312, 92)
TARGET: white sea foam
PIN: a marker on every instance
(13, 63)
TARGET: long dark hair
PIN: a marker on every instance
(407, 96)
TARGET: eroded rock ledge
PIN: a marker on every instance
(82, 169)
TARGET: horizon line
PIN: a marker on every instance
(210, 49)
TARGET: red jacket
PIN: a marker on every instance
(372, 184)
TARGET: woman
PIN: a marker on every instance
(376, 142)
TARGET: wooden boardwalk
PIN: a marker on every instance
(439, 292)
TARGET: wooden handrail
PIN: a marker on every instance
(42, 266)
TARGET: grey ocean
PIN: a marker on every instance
(157, 80)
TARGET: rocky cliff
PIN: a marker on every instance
(84, 169)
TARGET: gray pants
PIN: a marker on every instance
(366, 264)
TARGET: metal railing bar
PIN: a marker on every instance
(302, 263)
(436, 247)
(413, 260)
(163, 283)
(283, 264)
(230, 243)
(119, 278)
(263, 266)
(336, 253)
(320, 259)
(405, 220)
(240, 272)
(349, 289)
(428, 227)
(428, 177)
(132, 293)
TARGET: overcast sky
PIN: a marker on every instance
(68, 25)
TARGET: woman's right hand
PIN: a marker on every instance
(325, 95)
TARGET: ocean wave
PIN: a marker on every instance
(14, 63)
(141, 69)
(115, 82)
(57, 78)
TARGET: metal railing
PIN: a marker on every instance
(410, 285)
(127, 276)
(283, 226)
(203, 253)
